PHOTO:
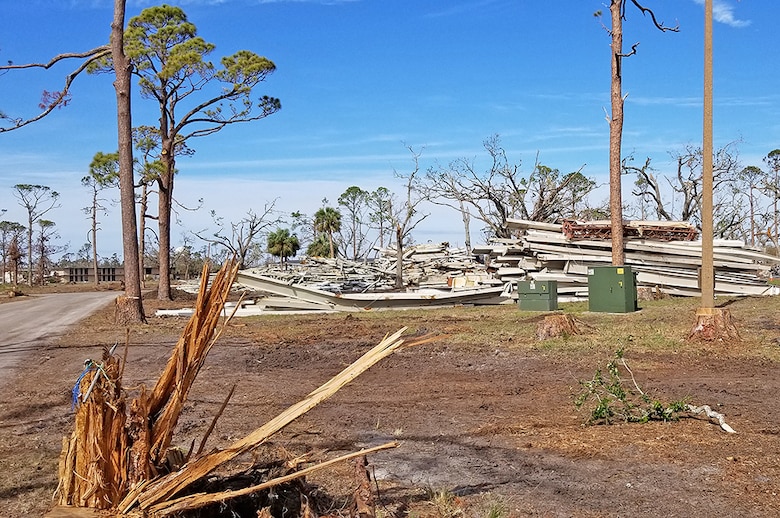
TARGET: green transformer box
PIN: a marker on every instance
(537, 295)
(612, 289)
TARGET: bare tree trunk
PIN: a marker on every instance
(399, 265)
(165, 208)
(775, 237)
(30, 222)
(131, 306)
(142, 234)
(752, 218)
(616, 136)
(466, 224)
(94, 237)
(164, 236)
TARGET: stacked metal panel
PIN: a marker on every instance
(542, 251)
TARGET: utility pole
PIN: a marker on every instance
(711, 323)
(707, 267)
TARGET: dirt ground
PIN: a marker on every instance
(484, 415)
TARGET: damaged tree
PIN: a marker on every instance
(406, 216)
(170, 62)
(121, 456)
(617, 9)
(129, 306)
(112, 450)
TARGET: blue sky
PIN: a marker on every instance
(360, 80)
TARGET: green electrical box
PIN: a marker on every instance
(537, 295)
(612, 289)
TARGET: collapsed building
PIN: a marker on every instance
(664, 256)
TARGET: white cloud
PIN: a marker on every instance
(723, 12)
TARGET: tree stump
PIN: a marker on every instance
(126, 311)
(559, 325)
(713, 324)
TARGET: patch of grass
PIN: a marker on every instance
(445, 503)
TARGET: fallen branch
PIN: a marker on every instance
(214, 421)
(171, 484)
(198, 500)
(705, 409)
(364, 506)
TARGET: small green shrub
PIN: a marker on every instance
(609, 400)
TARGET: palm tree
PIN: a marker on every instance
(328, 220)
(282, 244)
(319, 247)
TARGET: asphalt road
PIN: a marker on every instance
(25, 323)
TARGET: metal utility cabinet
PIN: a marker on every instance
(612, 289)
(537, 295)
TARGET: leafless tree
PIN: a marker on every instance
(752, 178)
(617, 9)
(405, 214)
(442, 187)
(503, 191)
(10, 233)
(44, 249)
(648, 189)
(681, 199)
(241, 239)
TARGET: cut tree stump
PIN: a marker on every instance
(714, 324)
(559, 325)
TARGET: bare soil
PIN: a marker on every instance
(484, 415)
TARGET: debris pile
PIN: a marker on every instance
(121, 454)
(663, 255)
(425, 265)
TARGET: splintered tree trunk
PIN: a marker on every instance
(113, 448)
(92, 464)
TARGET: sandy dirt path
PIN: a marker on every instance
(25, 324)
